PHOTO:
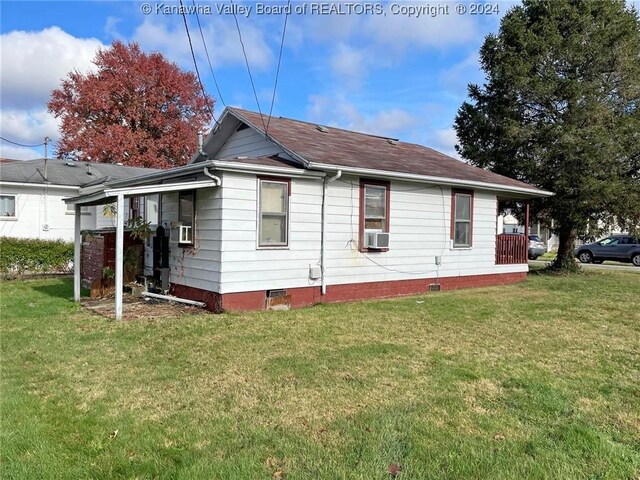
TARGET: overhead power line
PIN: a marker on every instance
(195, 63)
(21, 144)
(246, 61)
(275, 84)
(206, 51)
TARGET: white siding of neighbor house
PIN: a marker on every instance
(248, 143)
(197, 266)
(38, 207)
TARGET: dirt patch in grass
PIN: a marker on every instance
(135, 308)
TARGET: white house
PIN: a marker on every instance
(32, 193)
(305, 213)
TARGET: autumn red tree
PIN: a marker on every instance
(137, 109)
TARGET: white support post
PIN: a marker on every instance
(77, 243)
(119, 255)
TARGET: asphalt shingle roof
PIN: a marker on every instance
(334, 146)
(61, 172)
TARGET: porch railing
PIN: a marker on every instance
(511, 249)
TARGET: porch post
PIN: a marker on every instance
(119, 255)
(526, 221)
(77, 243)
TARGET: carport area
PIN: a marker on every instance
(118, 192)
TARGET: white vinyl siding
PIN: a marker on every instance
(247, 143)
(419, 229)
(419, 215)
(196, 265)
(41, 213)
(247, 268)
(225, 257)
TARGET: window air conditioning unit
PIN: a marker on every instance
(185, 234)
(377, 240)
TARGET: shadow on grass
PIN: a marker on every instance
(62, 288)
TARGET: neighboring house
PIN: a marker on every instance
(32, 193)
(307, 213)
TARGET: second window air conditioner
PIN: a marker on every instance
(377, 240)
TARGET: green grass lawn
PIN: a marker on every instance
(535, 380)
(547, 256)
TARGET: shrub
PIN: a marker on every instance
(20, 256)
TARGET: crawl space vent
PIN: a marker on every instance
(277, 300)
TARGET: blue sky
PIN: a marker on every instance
(387, 73)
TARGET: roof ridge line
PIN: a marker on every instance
(316, 124)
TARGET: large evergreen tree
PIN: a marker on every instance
(138, 109)
(561, 109)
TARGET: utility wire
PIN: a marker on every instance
(21, 144)
(195, 64)
(206, 51)
(275, 84)
(246, 61)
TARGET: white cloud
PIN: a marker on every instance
(398, 32)
(445, 140)
(19, 153)
(28, 127)
(110, 26)
(457, 77)
(33, 64)
(349, 63)
(332, 28)
(220, 35)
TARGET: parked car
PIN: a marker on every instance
(621, 248)
(536, 247)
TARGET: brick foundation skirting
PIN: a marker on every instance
(305, 296)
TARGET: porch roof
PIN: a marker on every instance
(153, 183)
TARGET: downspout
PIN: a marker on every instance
(327, 181)
(206, 171)
(45, 199)
(215, 179)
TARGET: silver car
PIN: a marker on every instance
(621, 248)
(536, 247)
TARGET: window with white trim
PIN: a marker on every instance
(8, 206)
(186, 215)
(462, 218)
(273, 216)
